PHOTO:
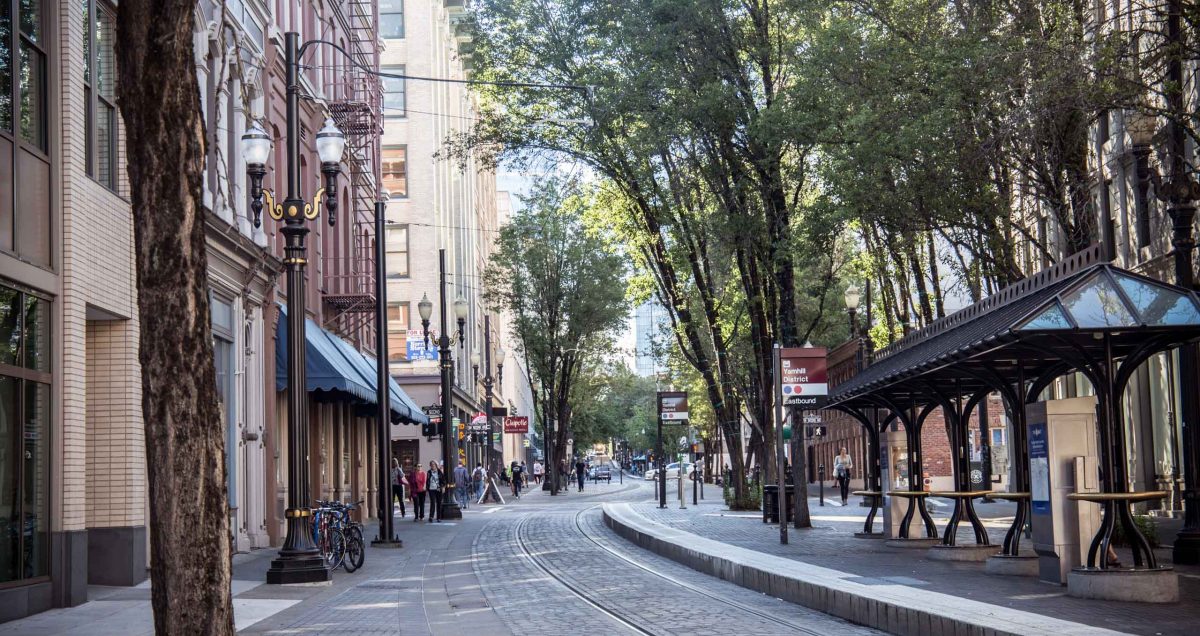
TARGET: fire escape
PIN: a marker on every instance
(355, 103)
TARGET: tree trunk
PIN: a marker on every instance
(185, 443)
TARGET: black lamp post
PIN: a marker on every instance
(489, 385)
(298, 560)
(450, 509)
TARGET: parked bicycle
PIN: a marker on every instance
(338, 536)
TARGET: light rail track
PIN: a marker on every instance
(541, 565)
(692, 588)
(628, 621)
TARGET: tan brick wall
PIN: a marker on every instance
(116, 455)
(97, 271)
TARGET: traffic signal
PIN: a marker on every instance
(430, 429)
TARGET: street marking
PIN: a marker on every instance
(491, 510)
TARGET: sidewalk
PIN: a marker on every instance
(397, 591)
(832, 547)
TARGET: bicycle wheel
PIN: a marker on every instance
(333, 549)
(356, 538)
(355, 551)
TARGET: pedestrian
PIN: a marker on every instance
(399, 482)
(538, 469)
(434, 484)
(524, 476)
(580, 469)
(418, 482)
(516, 480)
(841, 471)
(477, 480)
(563, 474)
(461, 479)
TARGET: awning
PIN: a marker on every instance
(336, 370)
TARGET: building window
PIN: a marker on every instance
(24, 131)
(394, 100)
(395, 171)
(99, 81)
(24, 435)
(397, 252)
(391, 18)
(397, 326)
(221, 312)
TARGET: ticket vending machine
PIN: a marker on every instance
(1062, 460)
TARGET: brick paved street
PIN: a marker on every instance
(831, 543)
(548, 565)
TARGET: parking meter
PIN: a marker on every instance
(821, 480)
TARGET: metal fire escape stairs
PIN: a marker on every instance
(355, 106)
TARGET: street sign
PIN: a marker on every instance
(479, 423)
(433, 410)
(672, 406)
(526, 442)
(814, 431)
(516, 424)
(803, 377)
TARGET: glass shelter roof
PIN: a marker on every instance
(1047, 323)
(1114, 299)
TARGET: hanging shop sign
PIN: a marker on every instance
(516, 424)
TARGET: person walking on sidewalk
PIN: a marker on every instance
(537, 472)
(841, 471)
(434, 484)
(477, 478)
(461, 479)
(418, 492)
(516, 480)
(580, 470)
(399, 482)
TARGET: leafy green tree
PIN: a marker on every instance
(566, 295)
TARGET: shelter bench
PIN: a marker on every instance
(916, 500)
(1116, 505)
(876, 498)
(962, 506)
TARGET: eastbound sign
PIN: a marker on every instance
(803, 377)
(672, 406)
(516, 424)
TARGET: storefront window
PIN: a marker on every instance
(24, 436)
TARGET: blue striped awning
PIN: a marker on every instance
(335, 368)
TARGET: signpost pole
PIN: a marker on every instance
(781, 508)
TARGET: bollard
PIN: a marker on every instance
(821, 479)
(682, 498)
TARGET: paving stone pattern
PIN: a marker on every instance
(530, 602)
(831, 543)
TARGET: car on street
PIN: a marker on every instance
(602, 473)
(672, 471)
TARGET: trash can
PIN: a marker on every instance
(771, 502)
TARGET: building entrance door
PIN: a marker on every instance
(408, 452)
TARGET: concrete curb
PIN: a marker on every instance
(897, 609)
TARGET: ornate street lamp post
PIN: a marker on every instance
(298, 560)
(489, 385)
(450, 508)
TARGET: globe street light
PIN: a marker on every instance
(298, 560)
(852, 298)
(450, 508)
